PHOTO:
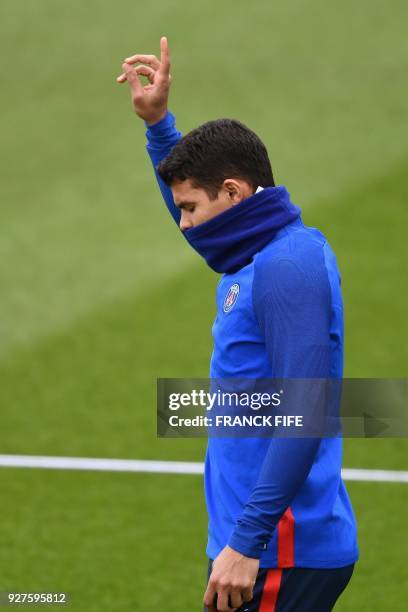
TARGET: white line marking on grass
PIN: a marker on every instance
(165, 467)
(374, 475)
(103, 465)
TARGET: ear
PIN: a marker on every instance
(237, 190)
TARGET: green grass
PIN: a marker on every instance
(100, 295)
(92, 536)
(134, 542)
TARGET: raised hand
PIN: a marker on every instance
(149, 101)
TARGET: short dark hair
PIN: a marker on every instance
(215, 151)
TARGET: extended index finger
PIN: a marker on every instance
(164, 56)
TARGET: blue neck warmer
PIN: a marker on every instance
(230, 240)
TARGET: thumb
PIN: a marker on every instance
(132, 78)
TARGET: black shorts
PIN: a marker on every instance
(297, 589)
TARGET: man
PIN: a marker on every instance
(282, 533)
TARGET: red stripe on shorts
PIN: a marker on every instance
(271, 590)
(286, 540)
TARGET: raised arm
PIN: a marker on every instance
(150, 104)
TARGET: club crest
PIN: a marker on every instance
(231, 297)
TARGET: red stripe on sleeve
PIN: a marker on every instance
(271, 590)
(286, 540)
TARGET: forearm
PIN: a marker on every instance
(285, 468)
(161, 138)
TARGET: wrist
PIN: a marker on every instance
(163, 133)
(246, 544)
(149, 121)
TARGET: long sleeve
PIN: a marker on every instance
(161, 138)
(292, 303)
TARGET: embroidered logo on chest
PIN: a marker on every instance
(231, 297)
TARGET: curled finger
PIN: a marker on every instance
(247, 594)
(146, 71)
(235, 599)
(131, 76)
(224, 603)
(151, 60)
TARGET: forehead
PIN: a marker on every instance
(183, 191)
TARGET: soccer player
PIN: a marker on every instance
(282, 534)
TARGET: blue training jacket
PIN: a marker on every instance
(281, 500)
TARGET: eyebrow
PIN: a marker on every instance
(185, 203)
